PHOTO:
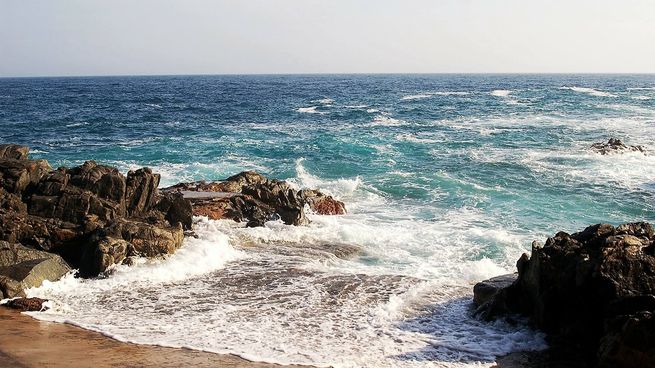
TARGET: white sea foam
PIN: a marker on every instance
(590, 91)
(283, 296)
(500, 93)
(156, 106)
(309, 110)
(325, 101)
(416, 97)
(385, 120)
(642, 98)
(73, 125)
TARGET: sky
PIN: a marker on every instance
(155, 37)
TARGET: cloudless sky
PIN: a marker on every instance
(129, 37)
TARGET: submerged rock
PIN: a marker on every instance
(252, 198)
(615, 145)
(594, 289)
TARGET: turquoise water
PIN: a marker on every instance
(447, 178)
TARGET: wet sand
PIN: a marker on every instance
(26, 343)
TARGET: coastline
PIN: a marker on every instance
(26, 342)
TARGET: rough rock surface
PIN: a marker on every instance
(22, 268)
(252, 198)
(615, 145)
(26, 304)
(91, 215)
(594, 289)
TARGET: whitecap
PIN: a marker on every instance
(500, 93)
(590, 91)
(416, 97)
(310, 110)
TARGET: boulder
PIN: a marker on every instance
(585, 288)
(22, 268)
(322, 204)
(27, 304)
(615, 145)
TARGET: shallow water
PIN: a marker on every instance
(447, 179)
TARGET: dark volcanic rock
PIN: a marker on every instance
(615, 145)
(27, 304)
(594, 288)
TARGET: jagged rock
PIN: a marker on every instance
(252, 198)
(614, 145)
(27, 304)
(141, 193)
(23, 268)
(322, 204)
(102, 254)
(13, 151)
(577, 286)
(176, 209)
(16, 175)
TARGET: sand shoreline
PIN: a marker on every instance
(26, 342)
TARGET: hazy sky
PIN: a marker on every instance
(89, 37)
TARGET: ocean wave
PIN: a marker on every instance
(641, 98)
(309, 110)
(590, 91)
(324, 101)
(416, 97)
(72, 125)
(641, 89)
(500, 93)
(385, 120)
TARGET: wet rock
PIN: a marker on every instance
(102, 254)
(485, 291)
(23, 268)
(252, 198)
(13, 151)
(27, 304)
(322, 204)
(146, 240)
(615, 145)
(583, 288)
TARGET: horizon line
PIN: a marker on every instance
(315, 74)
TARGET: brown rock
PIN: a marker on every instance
(27, 304)
(14, 151)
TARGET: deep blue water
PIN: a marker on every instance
(447, 177)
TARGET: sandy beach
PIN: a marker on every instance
(26, 342)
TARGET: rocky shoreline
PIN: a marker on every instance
(92, 217)
(592, 292)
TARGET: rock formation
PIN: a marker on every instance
(252, 198)
(91, 215)
(614, 145)
(594, 289)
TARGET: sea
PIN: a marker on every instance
(447, 180)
